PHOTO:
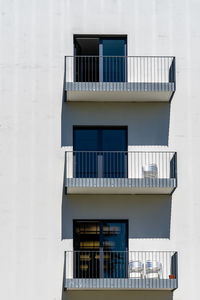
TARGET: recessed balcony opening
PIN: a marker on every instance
(100, 70)
(101, 259)
(87, 59)
(100, 59)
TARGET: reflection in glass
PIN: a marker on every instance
(100, 249)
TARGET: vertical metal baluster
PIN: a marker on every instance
(77, 163)
(96, 271)
(160, 62)
(143, 73)
(85, 58)
(78, 153)
(139, 72)
(79, 69)
(85, 273)
(76, 60)
(76, 69)
(83, 168)
(150, 73)
(160, 260)
(118, 167)
(145, 275)
(92, 71)
(78, 264)
(165, 271)
(82, 76)
(136, 163)
(155, 78)
(88, 68)
(161, 65)
(145, 69)
(95, 68)
(112, 65)
(118, 163)
(166, 165)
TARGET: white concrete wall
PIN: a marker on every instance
(36, 128)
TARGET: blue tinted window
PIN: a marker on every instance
(100, 139)
(100, 152)
(114, 140)
(86, 139)
(113, 47)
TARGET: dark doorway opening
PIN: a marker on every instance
(100, 58)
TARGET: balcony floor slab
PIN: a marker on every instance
(120, 185)
(119, 91)
(120, 283)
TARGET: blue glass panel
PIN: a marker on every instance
(113, 64)
(115, 246)
(86, 142)
(114, 163)
(86, 139)
(100, 153)
(114, 139)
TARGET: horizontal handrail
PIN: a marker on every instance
(103, 151)
(136, 56)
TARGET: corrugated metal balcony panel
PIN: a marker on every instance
(121, 283)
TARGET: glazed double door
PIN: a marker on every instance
(108, 62)
(100, 152)
(100, 249)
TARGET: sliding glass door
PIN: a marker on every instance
(113, 59)
(100, 59)
(100, 249)
(100, 152)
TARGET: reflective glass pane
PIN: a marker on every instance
(114, 59)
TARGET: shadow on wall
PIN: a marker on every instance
(149, 215)
(117, 295)
(148, 123)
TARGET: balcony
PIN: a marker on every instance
(120, 172)
(119, 78)
(152, 270)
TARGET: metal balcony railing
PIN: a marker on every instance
(157, 70)
(120, 171)
(145, 269)
(120, 164)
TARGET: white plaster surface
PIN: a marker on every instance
(36, 129)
